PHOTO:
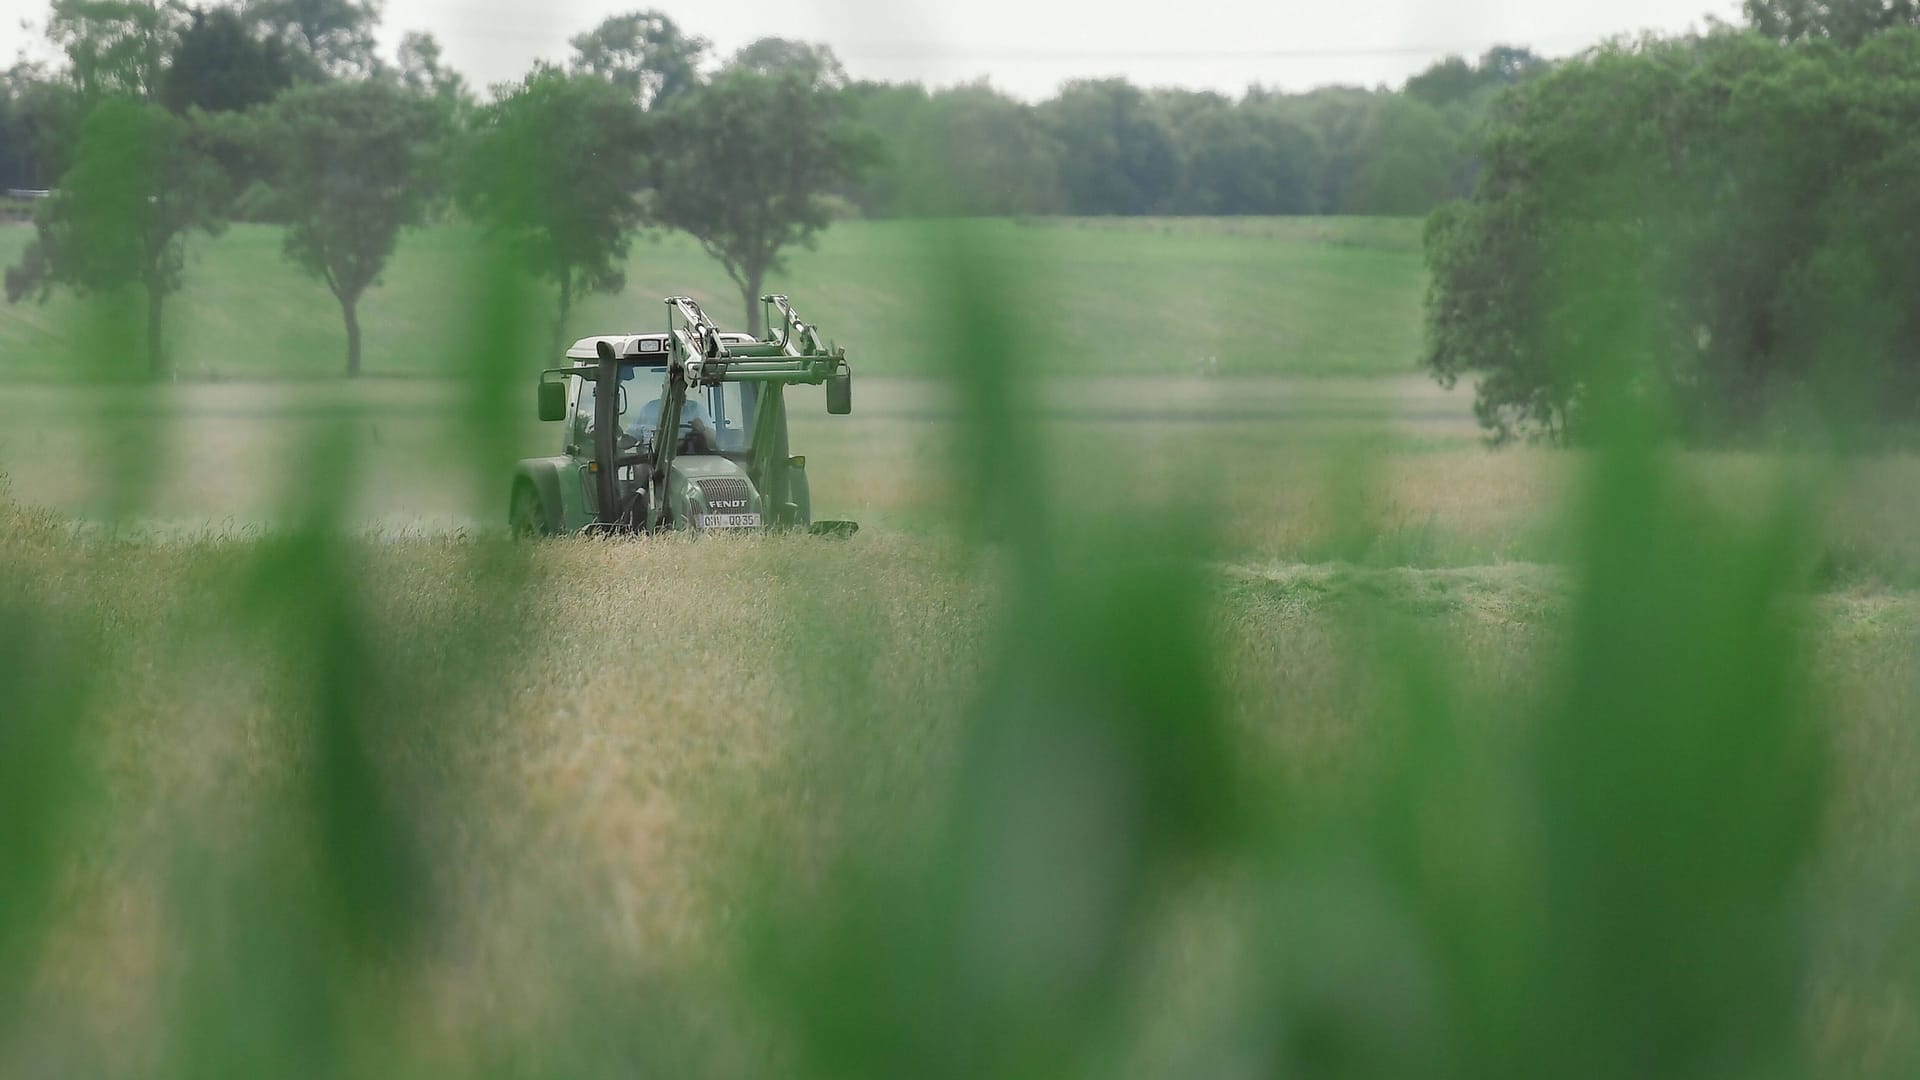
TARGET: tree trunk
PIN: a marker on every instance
(350, 308)
(751, 293)
(156, 349)
(566, 307)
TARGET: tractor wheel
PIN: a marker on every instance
(527, 520)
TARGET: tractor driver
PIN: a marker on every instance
(696, 426)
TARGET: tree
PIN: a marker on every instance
(552, 168)
(38, 117)
(1453, 81)
(993, 157)
(116, 47)
(1117, 152)
(328, 39)
(1845, 22)
(901, 119)
(1542, 280)
(218, 65)
(1722, 224)
(1178, 107)
(775, 57)
(423, 72)
(644, 53)
(965, 151)
(1413, 158)
(355, 163)
(1509, 64)
(1450, 82)
(137, 187)
(1341, 118)
(753, 154)
(1253, 158)
(17, 160)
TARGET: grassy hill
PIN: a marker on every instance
(1124, 296)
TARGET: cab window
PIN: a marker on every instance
(727, 409)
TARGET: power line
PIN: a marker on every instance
(521, 21)
(1148, 56)
(882, 50)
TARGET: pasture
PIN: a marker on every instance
(1307, 296)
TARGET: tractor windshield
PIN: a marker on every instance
(723, 414)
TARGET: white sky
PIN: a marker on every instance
(1029, 47)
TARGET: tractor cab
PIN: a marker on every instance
(684, 429)
(714, 419)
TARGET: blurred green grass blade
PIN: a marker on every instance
(994, 940)
(1682, 785)
(46, 781)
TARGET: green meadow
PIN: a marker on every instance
(1296, 296)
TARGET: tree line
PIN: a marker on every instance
(167, 120)
(1721, 224)
(1098, 147)
(1102, 147)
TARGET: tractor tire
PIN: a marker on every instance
(527, 518)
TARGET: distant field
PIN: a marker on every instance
(1307, 296)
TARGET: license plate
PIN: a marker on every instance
(727, 521)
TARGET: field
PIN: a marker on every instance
(1148, 296)
(1242, 740)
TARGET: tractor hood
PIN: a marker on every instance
(696, 467)
(706, 485)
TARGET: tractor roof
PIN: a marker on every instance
(637, 345)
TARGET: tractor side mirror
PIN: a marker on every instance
(840, 394)
(553, 401)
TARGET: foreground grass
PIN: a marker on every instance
(1165, 296)
(661, 724)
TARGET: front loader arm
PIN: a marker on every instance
(767, 464)
(797, 337)
(666, 443)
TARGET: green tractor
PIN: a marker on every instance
(707, 452)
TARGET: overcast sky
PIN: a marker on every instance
(1029, 47)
